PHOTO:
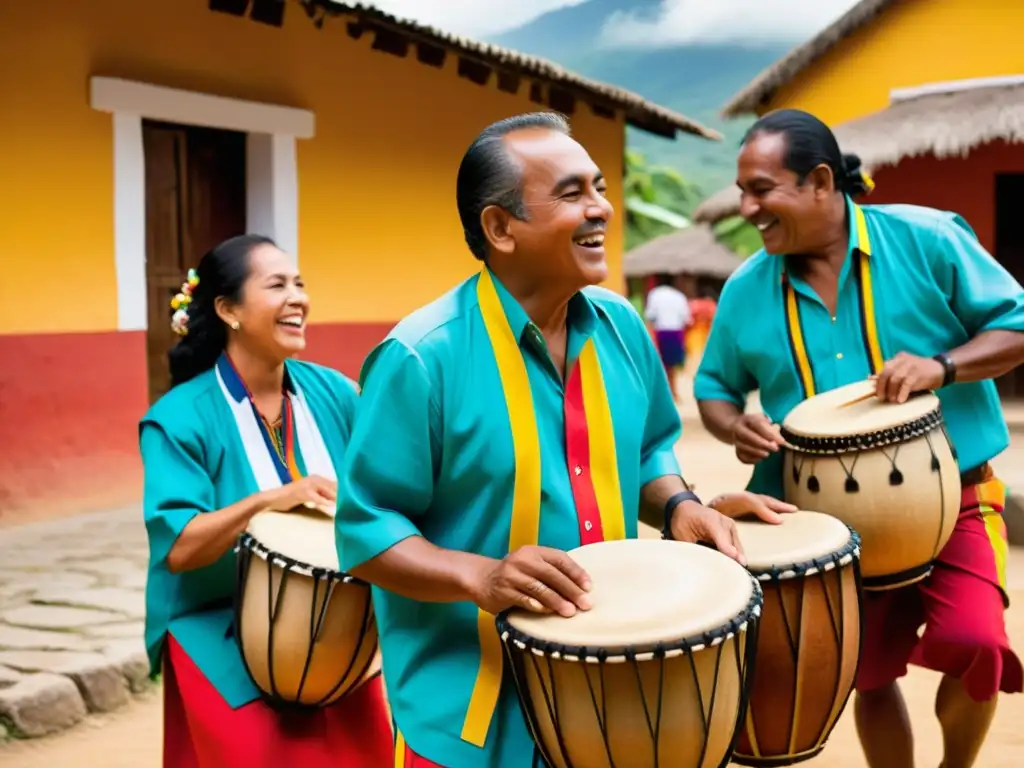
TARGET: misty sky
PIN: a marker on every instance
(679, 21)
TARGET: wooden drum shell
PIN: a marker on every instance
(806, 661)
(278, 606)
(653, 674)
(577, 741)
(904, 526)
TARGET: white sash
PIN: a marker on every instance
(307, 434)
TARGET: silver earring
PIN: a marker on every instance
(234, 325)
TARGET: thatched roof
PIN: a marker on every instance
(721, 205)
(944, 123)
(693, 251)
(638, 111)
(760, 90)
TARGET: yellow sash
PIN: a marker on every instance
(526, 496)
(869, 330)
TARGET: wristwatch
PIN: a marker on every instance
(670, 506)
(948, 366)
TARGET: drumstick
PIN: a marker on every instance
(862, 398)
(858, 399)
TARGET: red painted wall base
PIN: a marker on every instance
(69, 404)
(344, 346)
(69, 411)
(966, 185)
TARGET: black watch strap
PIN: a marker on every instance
(670, 506)
(948, 366)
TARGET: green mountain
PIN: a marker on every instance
(693, 79)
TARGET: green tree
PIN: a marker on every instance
(658, 199)
(738, 235)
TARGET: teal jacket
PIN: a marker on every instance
(195, 462)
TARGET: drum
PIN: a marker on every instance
(654, 674)
(306, 631)
(808, 639)
(887, 470)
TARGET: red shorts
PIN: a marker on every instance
(960, 604)
(202, 731)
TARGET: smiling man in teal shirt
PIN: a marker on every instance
(945, 316)
(523, 414)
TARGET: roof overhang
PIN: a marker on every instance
(941, 119)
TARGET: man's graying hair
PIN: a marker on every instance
(489, 175)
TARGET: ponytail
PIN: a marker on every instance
(810, 144)
(222, 272)
(856, 182)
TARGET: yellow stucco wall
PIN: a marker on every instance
(912, 43)
(378, 230)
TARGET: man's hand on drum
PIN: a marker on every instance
(311, 492)
(741, 504)
(755, 437)
(695, 523)
(539, 579)
(906, 374)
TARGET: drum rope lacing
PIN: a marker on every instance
(247, 541)
(911, 431)
(832, 563)
(847, 554)
(744, 623)
(247, 547)
(900, 433)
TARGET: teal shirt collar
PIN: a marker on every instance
(237, 388)
(582, 315)
(853, 244)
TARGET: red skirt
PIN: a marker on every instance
(202, 731)
(406, 758)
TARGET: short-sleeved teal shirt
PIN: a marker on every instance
(431, 455)
(934, 287)
(194, 463)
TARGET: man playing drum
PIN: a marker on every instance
(522, 414)
(946, 317)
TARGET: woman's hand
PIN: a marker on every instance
(742, 503)
(312, 492)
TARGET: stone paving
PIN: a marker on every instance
(71, 611)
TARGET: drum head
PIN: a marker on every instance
(826, 415)
(307, 537)
(799, 538)
(644, 592)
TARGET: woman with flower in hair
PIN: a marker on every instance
(245, 428)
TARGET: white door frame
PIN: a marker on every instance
(272, 189)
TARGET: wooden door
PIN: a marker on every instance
(1009, 251)
(195, 198)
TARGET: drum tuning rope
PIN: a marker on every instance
(547, 673)
(283, 571)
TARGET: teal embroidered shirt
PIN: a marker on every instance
(194, 463)
(431, 455)
(934, 287)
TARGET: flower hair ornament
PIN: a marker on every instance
(179, 320)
